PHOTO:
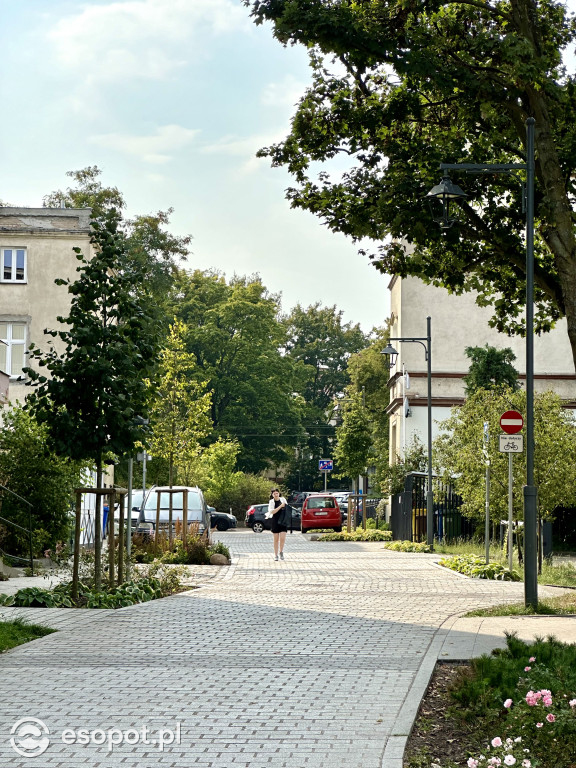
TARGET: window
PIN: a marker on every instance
(13, 265)
(13, 351)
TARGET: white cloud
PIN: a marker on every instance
(157, 148)
(244, 149)
(286, 93)
(146, 39)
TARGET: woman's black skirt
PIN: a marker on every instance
(276, 527)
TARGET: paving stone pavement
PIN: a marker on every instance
(320, 660)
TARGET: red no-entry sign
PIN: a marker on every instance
(511, 422)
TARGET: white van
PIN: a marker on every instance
(197, 511)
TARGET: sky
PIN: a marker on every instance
(171, 99)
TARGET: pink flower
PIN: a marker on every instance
(509, 760)
(532, 658)
(539, 725)
(527, 669)
(550, 717)
(508, 703)
(494, 761)
(496, 742)
(572, 703)
(472, 763)
(526, 764)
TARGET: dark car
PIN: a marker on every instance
(222, 521)
(257, 520)
(297, 498)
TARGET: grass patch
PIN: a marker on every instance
(18, 631)
(549, 606)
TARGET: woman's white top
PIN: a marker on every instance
(271, 506)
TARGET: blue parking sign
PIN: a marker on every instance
(325, 465)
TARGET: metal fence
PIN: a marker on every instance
(409, 511)
(14, 507)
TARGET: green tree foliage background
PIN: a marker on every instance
(458, 453)
(398, 87)
(32, 469)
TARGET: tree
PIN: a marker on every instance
(31, 469)
(393, 476)
(92, 391)
(354, 438)
(236, 338)
(149, 247)
(491, 368)
(369, 374)
(399, 86)
(319, 343)
(459, 452)
(179, 412)
(224, 486)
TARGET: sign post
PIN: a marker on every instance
(487, 504)
(325, 466)
(511, 422)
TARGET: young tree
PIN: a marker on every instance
(393, 476)
(400, 86)
(459, 451)
(92, 391)
(30, 468)
(369, 374)
(490, 368)
(180, 408)
(354, 438)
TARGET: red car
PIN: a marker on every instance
(321, 510)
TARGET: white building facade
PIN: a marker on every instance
(457, 322)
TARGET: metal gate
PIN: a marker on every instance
(409, 511)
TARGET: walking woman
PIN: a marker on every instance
(277, 508)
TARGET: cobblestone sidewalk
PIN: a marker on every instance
(309, 662)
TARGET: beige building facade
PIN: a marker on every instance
(457, 322)
(36, 248)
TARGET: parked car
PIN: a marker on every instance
(321, 511)
(342, 499)
(197, 509)
(296, 499)
(257, 520)
(222, 521)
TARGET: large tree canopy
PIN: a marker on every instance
(234, 334)
(400, 86)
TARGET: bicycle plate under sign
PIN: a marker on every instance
(511, 443)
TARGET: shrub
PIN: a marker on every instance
(476, 567)
(358, 535)
(526, 697)
(196, 552)
(138, 590)
(408, 546)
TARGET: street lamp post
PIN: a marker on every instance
(426, 342)
(446, 192)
